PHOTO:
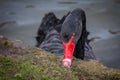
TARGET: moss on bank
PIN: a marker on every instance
(26, 69)
(21, 62)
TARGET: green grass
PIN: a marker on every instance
(26, 69)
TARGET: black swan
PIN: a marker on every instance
(66, 36)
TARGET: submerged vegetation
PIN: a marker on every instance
(21, 62)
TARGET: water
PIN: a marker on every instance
(20, 19)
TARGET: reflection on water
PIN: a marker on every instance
(114, 32)
(7, 23)
(20, 19)
(69, 2)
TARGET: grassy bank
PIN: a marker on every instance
(21, 62)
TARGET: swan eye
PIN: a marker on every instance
(65, 37)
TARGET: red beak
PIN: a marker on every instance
(68, 51)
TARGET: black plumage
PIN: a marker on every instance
(53, 31)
